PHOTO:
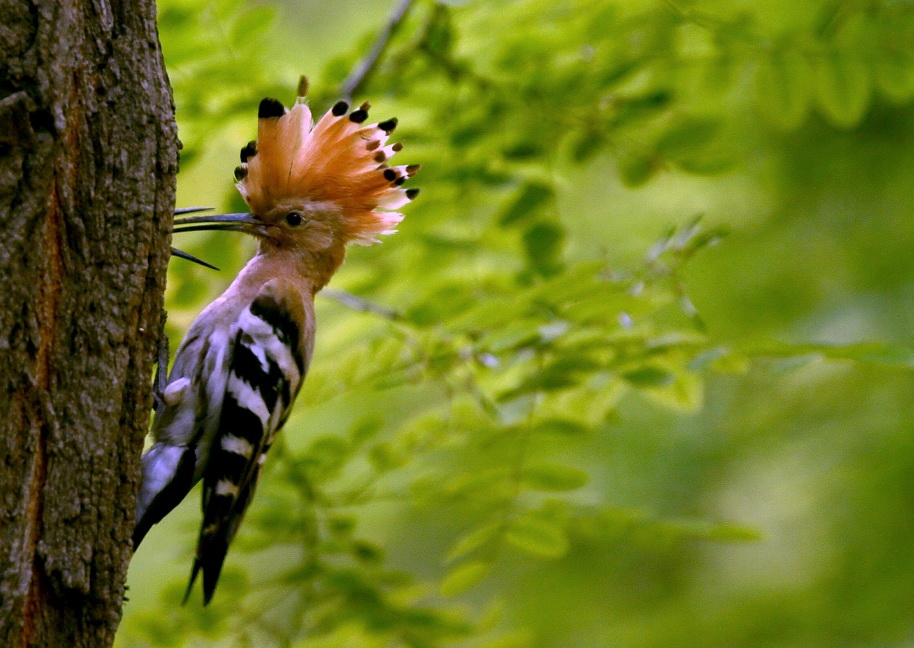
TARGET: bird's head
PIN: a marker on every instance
(316, 187)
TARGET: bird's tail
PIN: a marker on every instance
(168, 475)
(338, 161)
(221, 518)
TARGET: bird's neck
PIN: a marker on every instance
(312, 270)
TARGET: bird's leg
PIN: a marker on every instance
(161, 379)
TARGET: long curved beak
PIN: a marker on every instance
(191, 210)
(219, 222)
(190, 257)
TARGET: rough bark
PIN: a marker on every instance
(88, 155)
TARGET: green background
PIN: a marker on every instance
(649, 382)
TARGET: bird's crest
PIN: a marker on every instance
(339, 164)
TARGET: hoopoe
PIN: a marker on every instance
(312, 189)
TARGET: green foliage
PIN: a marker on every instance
(558, 425)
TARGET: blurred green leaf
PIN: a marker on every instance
(685, 137)
(636, 169)
(649, 376)
(543, 244)
(562, 427)
(784, 86)
(734, 533)
(843, 87)
(470, 542)
(252, 26)
(386, 456)
(894, 73)
(532, 197)
(537, 536)
(445, 303)
(554, 477)
(869, 352)
(464, 577)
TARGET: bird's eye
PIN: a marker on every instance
(294, 219)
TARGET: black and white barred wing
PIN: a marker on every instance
(184, 425)
(271, 352)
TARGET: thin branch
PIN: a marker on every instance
(366, 67)
(357, 303)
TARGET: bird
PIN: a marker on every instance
(312, 189)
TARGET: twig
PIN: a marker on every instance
(359, 304)
(366, 67)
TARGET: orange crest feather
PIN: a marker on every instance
(338, 165)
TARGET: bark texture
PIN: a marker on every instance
(88, 157)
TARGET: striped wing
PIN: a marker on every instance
(172, 465)
(271, 352)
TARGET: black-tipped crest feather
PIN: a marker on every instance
(270, 107)
(248, 151)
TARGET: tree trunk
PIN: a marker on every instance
(88, 157)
